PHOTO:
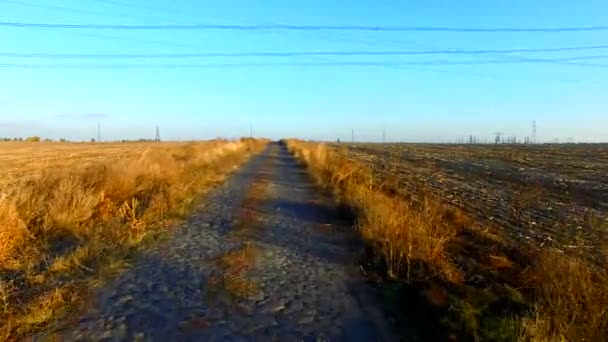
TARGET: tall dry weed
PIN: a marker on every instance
(14, 233)
(410, 237)
(570, 298)
(70, 222)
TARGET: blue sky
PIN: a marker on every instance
(413, 103)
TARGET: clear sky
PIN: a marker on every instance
(412, 102)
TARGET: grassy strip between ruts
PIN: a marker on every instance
(437, 266)
(230, 281)
(67, 230)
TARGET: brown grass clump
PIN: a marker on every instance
(409, 235)
(491, 289)
(570, 299)
(62, 226)
(231, 277)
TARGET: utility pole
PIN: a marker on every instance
(157, 138)
(534, 132)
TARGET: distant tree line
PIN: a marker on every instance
(34, 139)
(39, 139)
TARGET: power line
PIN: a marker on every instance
(312, 54)
(519, 60)
(262, 65)
(310, 34)
(335, 34)
(332, 33)
(287, 64)
(164, 10)
(338, 35)
(307, 53)
(299, 27)
(329, 34)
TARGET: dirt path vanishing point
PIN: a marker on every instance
(265, 257)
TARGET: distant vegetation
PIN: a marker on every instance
(63, 140)
(31, 139)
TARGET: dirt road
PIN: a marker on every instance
(300, 273)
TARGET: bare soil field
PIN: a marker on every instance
(541, 194)
(495, 243)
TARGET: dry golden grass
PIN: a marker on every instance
(67, 226)
(26, 159)
(570, 297)
(563, 296)
(408, 235)
(231, 277)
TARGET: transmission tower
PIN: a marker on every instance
(98, 131)
(498, 138)
(534, 132)
(157, 138)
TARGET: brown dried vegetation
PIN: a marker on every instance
(232, 267)
(231, 277)
(64, 229)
